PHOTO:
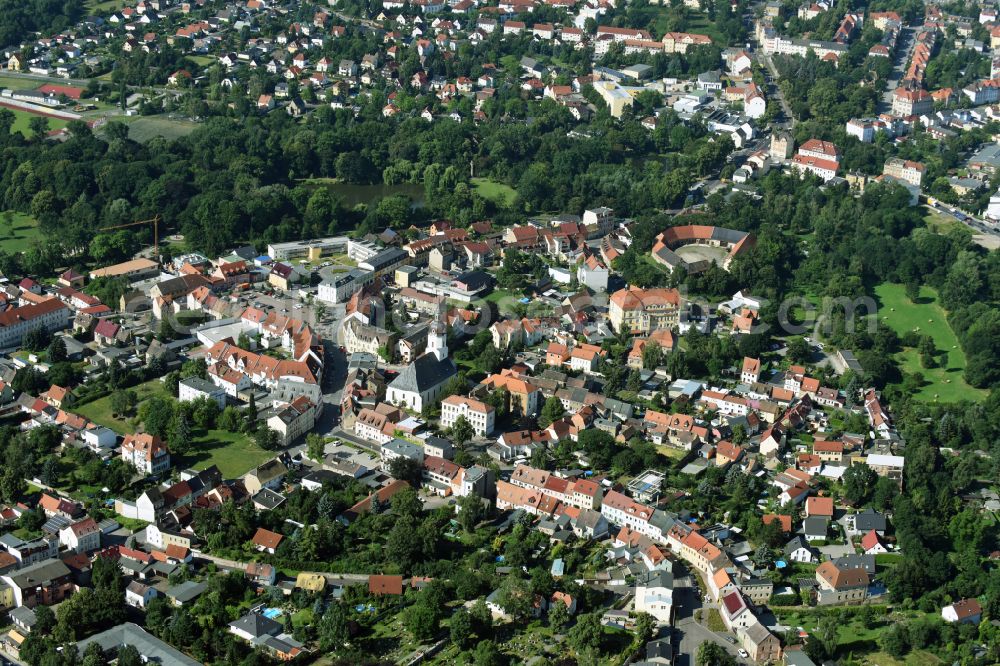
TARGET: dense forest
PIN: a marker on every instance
(235, 180)
(20, 18)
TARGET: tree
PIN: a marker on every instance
(122, 402)
(407, 470)
(490, 360)
(461, 431)
(470, 512)
(128, 655)
(403, 546)
(250, 420)
(36, 339)
(39, 126)
(460, 630)
(645, 626)
(315, 447)
(422, 621)
(180, 434)
(267, 438)
(763, 556)
(859, 483)
(157, 415)
(407, 503)
(587, 633)
(56, 351)
(799, 351)
(825, 637)
(713, 654)
(558, 615)
(553, 410)
(487, 654)
(652, 356)
(515, 597)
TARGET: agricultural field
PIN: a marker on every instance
(944, 383)
(18, 231)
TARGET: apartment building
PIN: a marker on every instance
(481, 416)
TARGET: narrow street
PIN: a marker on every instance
(904, 49)
(350, 578)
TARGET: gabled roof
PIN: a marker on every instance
(380, 585)
(266, 538)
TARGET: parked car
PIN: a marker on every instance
(743, 653)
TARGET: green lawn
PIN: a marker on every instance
(16, 83)
(941, 222)
(202, 61)
(99, 411)
(233, 452)
(23, 118)
(915, 658)
(104, 5)
(699, 24)
(944, 383)
(144, 128)
(18, 231)
(498, 193)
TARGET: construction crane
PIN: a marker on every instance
(155, 221)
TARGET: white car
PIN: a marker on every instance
(743, 653)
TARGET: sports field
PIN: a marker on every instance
(22, 119)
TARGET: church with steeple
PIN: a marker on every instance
(422, 382)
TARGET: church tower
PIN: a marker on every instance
(437, 340)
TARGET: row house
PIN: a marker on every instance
(726, 404)
(622, 510)
(579, 493)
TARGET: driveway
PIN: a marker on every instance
(691, 635)
(836, 550)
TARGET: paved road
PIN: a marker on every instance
(904, 49)
(350, 578)
(775, 89)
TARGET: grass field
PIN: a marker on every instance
(940, 222)
(18, 231)
(144, 128)
(498, 193)
(99, 411)
(23, 118)
(915, 658)
(944, 383)
(15, 83)
(855, 637)
(234, 453)
(201, 61)
(104, 5)
(699, 24)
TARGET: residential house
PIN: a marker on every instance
(146, 452)
(963, 610)
(44, 583)
(269, 475)
(841, 585)
(82, 536)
